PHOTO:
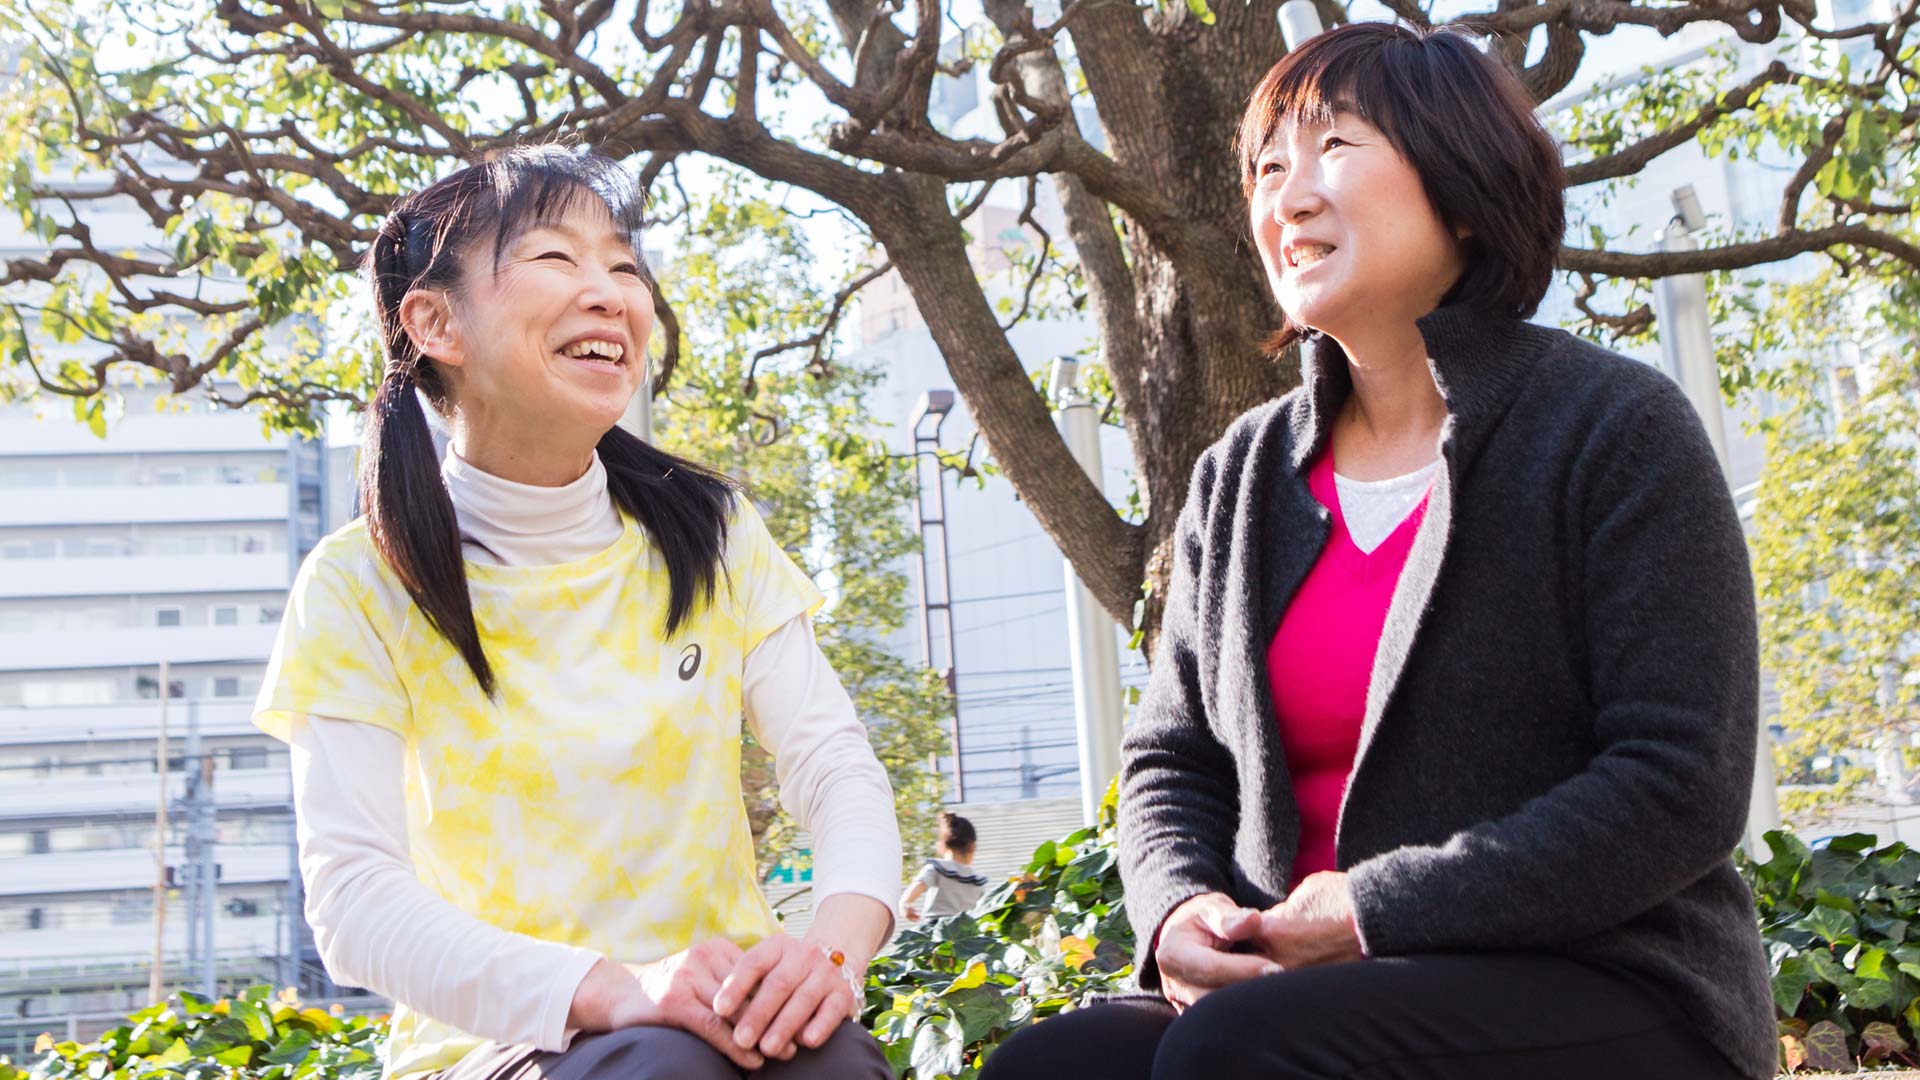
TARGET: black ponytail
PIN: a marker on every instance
(410, 516)
(682, 506)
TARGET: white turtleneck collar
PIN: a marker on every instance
(504, 523)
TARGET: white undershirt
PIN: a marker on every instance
(1374, 508)
(378, 926)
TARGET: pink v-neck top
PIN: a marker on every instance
(1320, 660)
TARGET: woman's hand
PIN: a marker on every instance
(677, 991)
(1193, 952)
(783, 990)
(1314, 925)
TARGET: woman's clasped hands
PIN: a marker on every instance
(1209, 941)
(769, 1001)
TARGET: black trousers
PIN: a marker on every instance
(1485, 1017)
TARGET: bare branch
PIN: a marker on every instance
(1737, 256)
(1629, 324)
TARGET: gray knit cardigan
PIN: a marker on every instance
(1559, 735)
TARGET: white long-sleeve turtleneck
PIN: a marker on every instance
(377, 925)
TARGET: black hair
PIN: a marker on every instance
(1463, 121)
(956, 832)
(682, 506)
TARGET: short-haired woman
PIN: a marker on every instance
(1451, 727)
(514, 689)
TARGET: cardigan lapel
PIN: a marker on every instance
(1478, 360)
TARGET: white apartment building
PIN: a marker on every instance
(174, 539)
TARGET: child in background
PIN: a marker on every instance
(948, 881)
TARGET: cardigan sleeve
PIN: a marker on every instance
(1673, 671)
(1179, 794)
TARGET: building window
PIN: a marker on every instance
(27, 549)
(247, 757)
(226, 616)
(166, 616)
(39, 842)
(226, 686)
(36, 918)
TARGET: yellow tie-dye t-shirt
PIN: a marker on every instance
(595, 801)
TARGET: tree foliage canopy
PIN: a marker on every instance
(261, 140)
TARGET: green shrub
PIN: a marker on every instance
(940, 999)
(254, 1036)
(1842, 931)
(1841, 926)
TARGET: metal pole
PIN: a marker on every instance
(1097, 709)
(638, 419)
(936, 404)
(1299, 20)
(156, 974)
(200, 852)
(1686, 345)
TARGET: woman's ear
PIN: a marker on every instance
(427, 317)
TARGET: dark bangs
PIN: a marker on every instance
(1460, 118)
(535, 187)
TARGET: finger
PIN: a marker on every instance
(703, 984)
(747, 972)
(774, 990)
(1234, 924)
(717, 1033)
(801, 1007)
(1210, 969)
(834, 1010)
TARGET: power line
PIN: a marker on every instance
(1008, 596)
(1013, 619)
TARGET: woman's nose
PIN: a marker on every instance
(602, 293)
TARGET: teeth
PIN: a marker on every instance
(595, 350)
(1310, 254)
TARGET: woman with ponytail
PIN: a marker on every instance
(514, 689)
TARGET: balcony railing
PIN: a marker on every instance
(143, 504)
(264, 572)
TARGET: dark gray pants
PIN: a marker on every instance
(662, 1053)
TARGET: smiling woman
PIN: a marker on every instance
(515, 690)
(1453, 630)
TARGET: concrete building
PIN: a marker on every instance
(174, 539)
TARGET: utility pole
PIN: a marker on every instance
(203, 873)
(156, 974)
(1686, 346)
(1097, 710)
(935, 405)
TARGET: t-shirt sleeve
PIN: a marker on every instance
(927, 876)
(769, 589)
(329, 660)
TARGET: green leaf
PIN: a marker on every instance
(258, 1022)
(1830, 923)
(173, 1054)
(1790, 985)
(937, 1047)
(1200, 10)
(291, 1050)
(1869, 994)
